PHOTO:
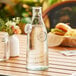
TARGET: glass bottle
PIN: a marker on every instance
(4, 46)
(37, 48)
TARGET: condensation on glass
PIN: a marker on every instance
(37, 49)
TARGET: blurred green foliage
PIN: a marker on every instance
(20, 8)
(53, 1)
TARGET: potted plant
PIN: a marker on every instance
(11, 26)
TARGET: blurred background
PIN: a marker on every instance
(22, 9)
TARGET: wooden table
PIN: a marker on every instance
(59, 65)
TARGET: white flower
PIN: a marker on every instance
(16, 27)
(17, 20)
(14, 19)
(13, 24)
(10, 23)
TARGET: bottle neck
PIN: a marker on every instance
(37, 16)
(37, 12)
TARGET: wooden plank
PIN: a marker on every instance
(12, 73)
(23, 70)
(59, 65)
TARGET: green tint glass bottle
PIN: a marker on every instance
(37, 54)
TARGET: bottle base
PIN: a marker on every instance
(37, 67)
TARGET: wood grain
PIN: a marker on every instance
(59, 65)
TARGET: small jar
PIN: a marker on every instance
(14, 46)
(4, 46)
